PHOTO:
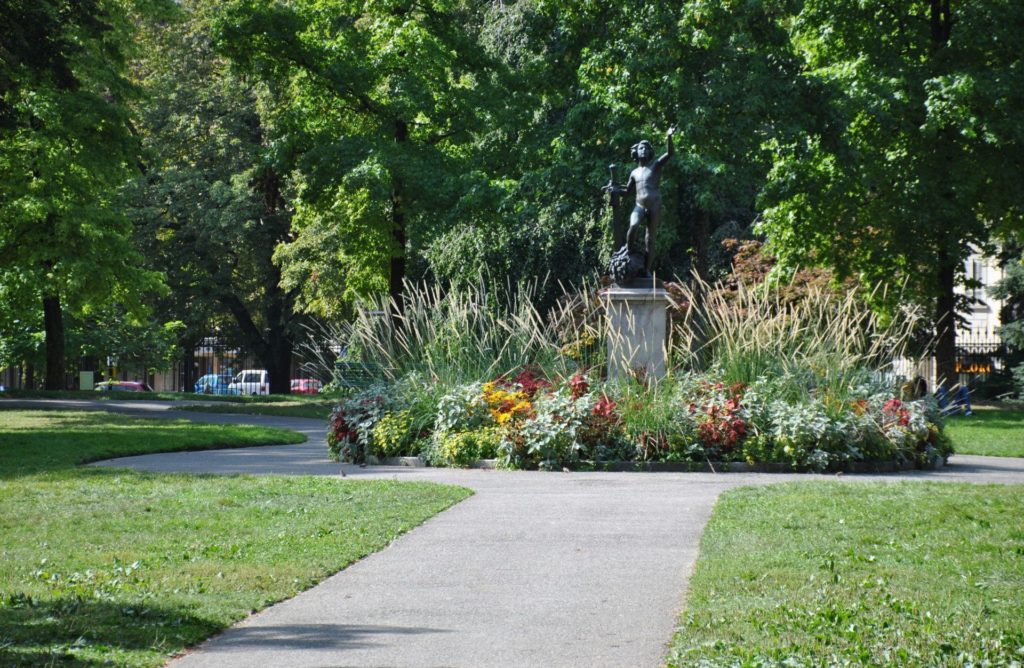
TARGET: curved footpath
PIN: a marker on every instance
(535, 569)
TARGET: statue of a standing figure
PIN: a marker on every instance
(635, 259)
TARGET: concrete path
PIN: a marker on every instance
(535, 569)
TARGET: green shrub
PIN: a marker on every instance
(552, 438)
(462, 448)
(393, 435)
(352, 422)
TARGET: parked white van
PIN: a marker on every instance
(250, 381)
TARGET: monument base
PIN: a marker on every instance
(637, 330)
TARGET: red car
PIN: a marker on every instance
(306, 386)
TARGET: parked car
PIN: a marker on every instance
(213, 383)
(122, 386)
(306, 386)
(251, 381)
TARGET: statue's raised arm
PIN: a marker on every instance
(670, 151)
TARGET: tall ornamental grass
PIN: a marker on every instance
(825, 343)
(478, 332)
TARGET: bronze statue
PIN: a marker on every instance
(634, 260)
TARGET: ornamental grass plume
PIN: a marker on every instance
(824, 342)
(464, 334)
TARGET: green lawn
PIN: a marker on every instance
(317, 409)
(114, 567)
(861, 574)
(988, 432)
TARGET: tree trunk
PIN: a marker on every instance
(278, 352)
(53, 323)
(188, 362)
(396, 277)
(278, 360)
(701, 242)
(941, 20)
(945, 325)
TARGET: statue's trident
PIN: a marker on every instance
(615, 194)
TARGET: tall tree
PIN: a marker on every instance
(66, 146)
(925, 156)
(379, 102)
(212, 208)
(542, 215)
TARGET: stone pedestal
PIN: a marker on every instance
(637, 330)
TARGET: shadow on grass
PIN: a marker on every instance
(69, 631)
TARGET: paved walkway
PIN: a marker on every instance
(535, 569)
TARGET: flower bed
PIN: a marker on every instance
(528, 421)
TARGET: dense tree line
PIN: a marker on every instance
(253, 163)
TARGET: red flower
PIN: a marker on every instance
(579, 386)
(531, 381)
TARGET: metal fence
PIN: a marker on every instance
(213, 355)
(977, 361)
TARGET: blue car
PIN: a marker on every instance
(211, 383)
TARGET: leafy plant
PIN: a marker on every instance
(352, 424)
(393, 435)
(465, 447)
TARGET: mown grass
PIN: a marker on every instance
(319, 410)
(864, 574)
(46, 441)
(113, 567)
(999, 433)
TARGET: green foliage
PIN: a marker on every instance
(131, 344)
(1010, 289)
(352, 423)
(66, 147)
(393, 435)
(463, 408)
(213, 205)
(377, 106)
(908, 169)
(800, 382)
(551, 438)
(462, 448)
(653, 416)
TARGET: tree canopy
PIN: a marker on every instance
(919, 158)
(287, 158)
(212, 209)
(66, 146)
